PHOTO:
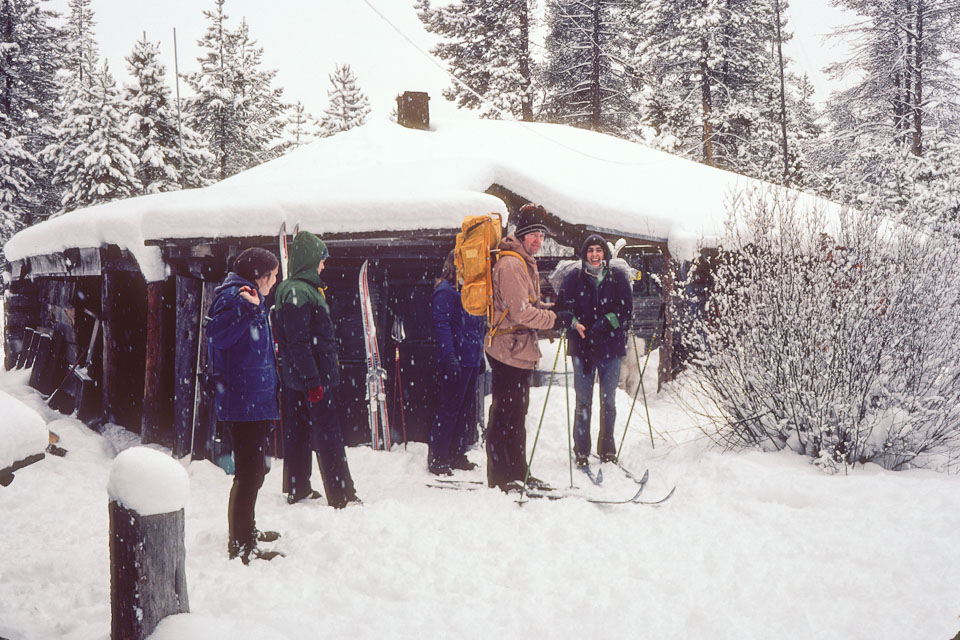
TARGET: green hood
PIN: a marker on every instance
(306, 252)
(303, 284)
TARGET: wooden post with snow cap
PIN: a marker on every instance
(148, 491)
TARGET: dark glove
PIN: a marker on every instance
(451, 367)
(564, 320)
(316, 394)
(597, 329)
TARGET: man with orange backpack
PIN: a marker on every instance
(512, 348)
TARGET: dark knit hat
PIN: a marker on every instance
(530, 218)
(254, 263)
(594, 240)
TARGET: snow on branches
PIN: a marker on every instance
(835, 337)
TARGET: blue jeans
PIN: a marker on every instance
(608, 371)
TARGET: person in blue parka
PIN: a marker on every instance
(460, 361)
(244, 372)
(601, 300)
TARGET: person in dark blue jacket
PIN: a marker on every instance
(601, 300)
(310, 374)
(460, 360)
(244, 371)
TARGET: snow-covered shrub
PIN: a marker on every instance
(833, 334)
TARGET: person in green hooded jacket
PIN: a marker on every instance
(309, 373)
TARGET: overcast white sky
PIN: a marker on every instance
(303, 39)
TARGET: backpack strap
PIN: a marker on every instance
(507, 252)
(496, 326)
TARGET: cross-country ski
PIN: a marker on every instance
(377, 414)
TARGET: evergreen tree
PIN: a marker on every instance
(301, 127)
(92, 156)
(711, 82)
(587, 72)
(259, 106)
(486, 44)
(30, 55)
(82, 53)
(234, 109)
(348, 106)
(804, 127)
(905, 53)
(15, 184)
(152, 120)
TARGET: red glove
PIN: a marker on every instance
(315, 394)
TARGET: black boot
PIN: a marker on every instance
(294, 498)
(438, 469)
(462, 463)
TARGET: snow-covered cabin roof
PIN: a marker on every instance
(386, 177)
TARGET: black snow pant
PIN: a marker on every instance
(314, 425)
(250, 467)
(506, 430)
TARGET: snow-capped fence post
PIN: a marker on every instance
(148, 491)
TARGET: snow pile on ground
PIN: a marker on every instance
(23, 432)
(752, 545)
(148, 481)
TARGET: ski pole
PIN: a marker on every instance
(635, 393)
(566, 388)
(398, 335)
(643, 388)
(526, 476)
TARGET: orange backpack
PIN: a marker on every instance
(474, 257)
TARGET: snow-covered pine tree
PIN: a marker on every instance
(259, 105)
(348, 106)
(211, 112)
(30, 54)
(152, 120)
(804, 127)
(709, 76)
(234, 109)
(905, 58)
(587, 73)
(15, 184)
(301, 127)
(82, 53)
(486, 44)
(92, 157)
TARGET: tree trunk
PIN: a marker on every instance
(706, 101)
(595, 52)
(526, 101)
(783, 99)
(918, 83)
(903, 123)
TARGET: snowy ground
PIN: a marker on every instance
(751, 546)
